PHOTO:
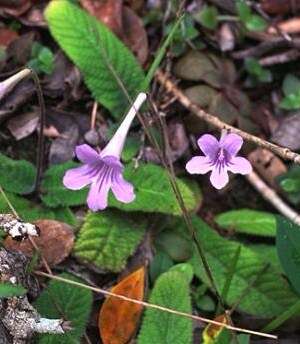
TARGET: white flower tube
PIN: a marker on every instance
(116, 143)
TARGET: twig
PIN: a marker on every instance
(287, 56)
(151, 305)
(169, 85)
(94, 114)
(271, 196)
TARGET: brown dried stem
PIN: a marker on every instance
(170, 86)
(150, 305)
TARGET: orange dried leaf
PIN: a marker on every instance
(212, 331)
(118, 319)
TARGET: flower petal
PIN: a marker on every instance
(232, 143)
(239, 165)
(98, 194)
(123, 191)
(79, 177)
(219, 177)
(199, 165)
(209, 145)
(86, 154)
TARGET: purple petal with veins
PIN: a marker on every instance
(104, 171)
(219, 157)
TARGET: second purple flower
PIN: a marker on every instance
(219, 158)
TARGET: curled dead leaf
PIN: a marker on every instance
(55, 242)
(118, 319)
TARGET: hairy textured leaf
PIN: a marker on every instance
(108, 239)
(268, 297)
(268, 253)
(288, 248)
(96, 51)
(152, 188)
(171, 290)
(154, 193)
(62, 300)
(9, 290)
(29, 211)
(16, 176)
(248, 221)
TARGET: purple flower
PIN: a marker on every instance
(103, 171)
(220, 157)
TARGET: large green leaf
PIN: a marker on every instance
(248, 221)
(267, 297)
(62, 300)
(29, 211)
(152, 188)
(171, 290)
(9, 290)
(108, 239)
(98, 53)
(288, 248)
(154, 193)
(16, 176)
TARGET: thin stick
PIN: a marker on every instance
(94, 114)
(169, 85)
(271, 196)
(151, 305)
(41, 141)
(171, 176)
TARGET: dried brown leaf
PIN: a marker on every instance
(55, 242)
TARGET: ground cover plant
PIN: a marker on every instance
(149, 171)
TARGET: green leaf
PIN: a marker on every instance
(290, 85)
(152, 188)
(154, 193)
(255, 69)
(244, 11)
(253, 22)
(208, 17)
(63, 300)
(290, 102)
(9, 290)
(171, 290)
(42, 59)
(267, 253)
(30, 211)
(290, 183)
(248, 221)
(256, 23)
(268, 297)
(186, 269)
(16, 176)
(160, 264)
(288, 248)
(176, 246)
(294, 310)
(205, 302)
(108, 239)
(96, 51)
